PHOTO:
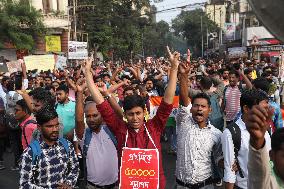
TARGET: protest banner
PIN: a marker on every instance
(61, 62)
(53, 43)
(230, 29)
(14, 66)
(40, 62)
(77, 50)
(139, 169)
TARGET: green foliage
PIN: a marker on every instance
(155, 39)
(188, 25)
(19, 24)
(115, 25)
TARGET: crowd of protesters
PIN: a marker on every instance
(228, 127)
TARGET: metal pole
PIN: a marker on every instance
(143, 52)
(220, 35)
(74, 20)
(202, 43)
(207, 38)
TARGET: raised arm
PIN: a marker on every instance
(170, 91)
(184, 70)
(97, 96)
(111, 99)
(79, 116)
(259, 171)
(246, 80)
(24, 70)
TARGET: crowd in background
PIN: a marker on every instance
(90, 108)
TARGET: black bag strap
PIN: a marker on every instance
(24, 129)
(236, 137)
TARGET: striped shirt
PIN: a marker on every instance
(233, 97)
(196, 147)
(53, 167)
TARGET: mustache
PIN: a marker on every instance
(55, 132)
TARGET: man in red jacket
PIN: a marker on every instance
(134, 111)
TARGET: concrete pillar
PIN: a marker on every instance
(53, 4)
(37, 4)
(62, 6)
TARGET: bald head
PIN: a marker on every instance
(93, 117)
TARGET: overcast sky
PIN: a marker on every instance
(166, 4)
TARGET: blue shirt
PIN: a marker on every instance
(66, 113)
(277, 115)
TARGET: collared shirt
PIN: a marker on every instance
(229, 157)
(101, 160)
(53, 167)
(195, 148)
(66, 113)
(28, 130)
(233, 97)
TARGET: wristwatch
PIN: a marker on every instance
(107, 96)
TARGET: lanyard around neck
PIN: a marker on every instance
(147, 134)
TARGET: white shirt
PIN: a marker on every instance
(11, 93)
(101, 161)
(229, 157)
(153, 93)
(195, 148)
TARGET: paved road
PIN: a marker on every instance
(10, 179)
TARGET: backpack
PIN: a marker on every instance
(236, 137)
(216, 115)
(88, 137)
(10, 119)
(24, 129)
(37, 152)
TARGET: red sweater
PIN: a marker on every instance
(140, 139)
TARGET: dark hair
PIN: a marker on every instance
(128, 89)
(262, 83)
(206, 82)
(43, 96)
(251, 97)
(201, 95)
(55, 82)
(235, 73)
(11, 85)
(45, 114)
(89, 99)
(277, 139)
(149, 79)
(48, 77)
(63, 87)
(225, 70)
(248, 71)
(133, 101)
(24, 106)
(5, 78)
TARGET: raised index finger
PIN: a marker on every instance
(169, 51)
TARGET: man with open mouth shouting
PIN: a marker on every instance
(198, 142)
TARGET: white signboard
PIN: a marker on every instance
(77, 50)
(61, 62)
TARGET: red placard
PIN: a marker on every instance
(139, 169)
